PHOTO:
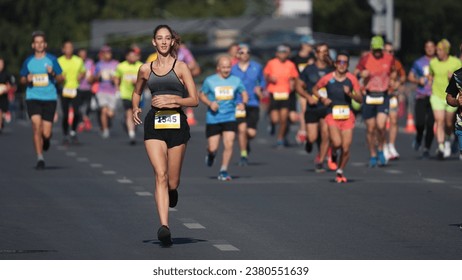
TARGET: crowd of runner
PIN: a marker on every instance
(310, 88)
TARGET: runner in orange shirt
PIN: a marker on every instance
(280, 74)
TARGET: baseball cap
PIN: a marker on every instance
(283, 48)
(105, 48)
(445, 45)
(307, 39)
(377, 43)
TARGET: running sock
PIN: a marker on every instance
(223, 168)
(339, 171)
(244, 153)
(40, 157)
(131, 134)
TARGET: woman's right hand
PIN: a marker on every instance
(136, 116)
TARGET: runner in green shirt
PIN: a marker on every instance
(73, 71)
(126, 74)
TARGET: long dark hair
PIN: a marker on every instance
(175, 37)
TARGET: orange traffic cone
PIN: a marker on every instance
(190, 116)
(410, 125)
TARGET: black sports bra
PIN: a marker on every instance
(166, 84)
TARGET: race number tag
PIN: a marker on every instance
(167, 120)
(279, 96)
(426, 70)
(131, 78)
(393, 102)
(240, 113)
(341, 112)
(322, 92)
(40, 80)
(69, 92)
(374, 100)
(106, 75)
(224, 93)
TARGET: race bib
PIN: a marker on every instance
(130, 78)
(224, 93)
(40, 80)
(426, 70)
(393, 102)
(322, 92)
(106, 75)
(240, 113)
(374, 100)
(167, 120)
(341, 112)
(69, 92)
(279, 96)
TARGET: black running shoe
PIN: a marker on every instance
(209, 158)
(164, 236)
(46, 144)
(172, 198)
(40, 165)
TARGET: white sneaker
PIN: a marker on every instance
(393, 152)
(386, 151)
(105, 134)
(447, 149)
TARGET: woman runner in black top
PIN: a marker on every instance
(166, 130)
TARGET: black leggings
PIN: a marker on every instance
(424, 121)
(65, 103)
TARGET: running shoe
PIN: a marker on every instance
(300, 138)
(46, 144)
(339, 178)
(105, 134)
(172, 198)
(243, 162)
(319, 168)
(280, 144)
(425, 154)
(209, 159)
(224, 176)
(381, 158)
(447, 149)
(332, 162)
(393, 152)
(40, 165)
(164, 236)
(373, 162)
(440, 151)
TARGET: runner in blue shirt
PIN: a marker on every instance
(40, 72)
(220, 92)
(251, 74)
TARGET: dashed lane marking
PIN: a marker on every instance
(96, 165)
(71, 154)
(144, 194)
(193, 226)
(225, 247)
(433, 180)
(125, 181)
(82, 159)
(109, 172)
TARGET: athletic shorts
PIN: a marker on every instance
(279, 104)
(371, 110)
(46, 109)
(219, 128)
(107, 100)
(341, 124)
(293, 102)
(314, 115)
(4, 103)
(127, 104)
(439, 104)
(252, 115)
(172, 137)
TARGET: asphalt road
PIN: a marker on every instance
(95, 201)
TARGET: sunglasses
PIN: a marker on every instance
(242, 52)
(342, 62)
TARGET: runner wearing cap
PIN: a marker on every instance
(375, 69)
(280, 74)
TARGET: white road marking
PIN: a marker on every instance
(96, 165)
(433, 180)
(193, 226)
(109, 172)
(125, 181)
(71, 154)
(225, 247)
(82, 159)
(144, 194)
(393, 171)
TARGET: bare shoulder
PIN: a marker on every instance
(181, 66)
(145, 68)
